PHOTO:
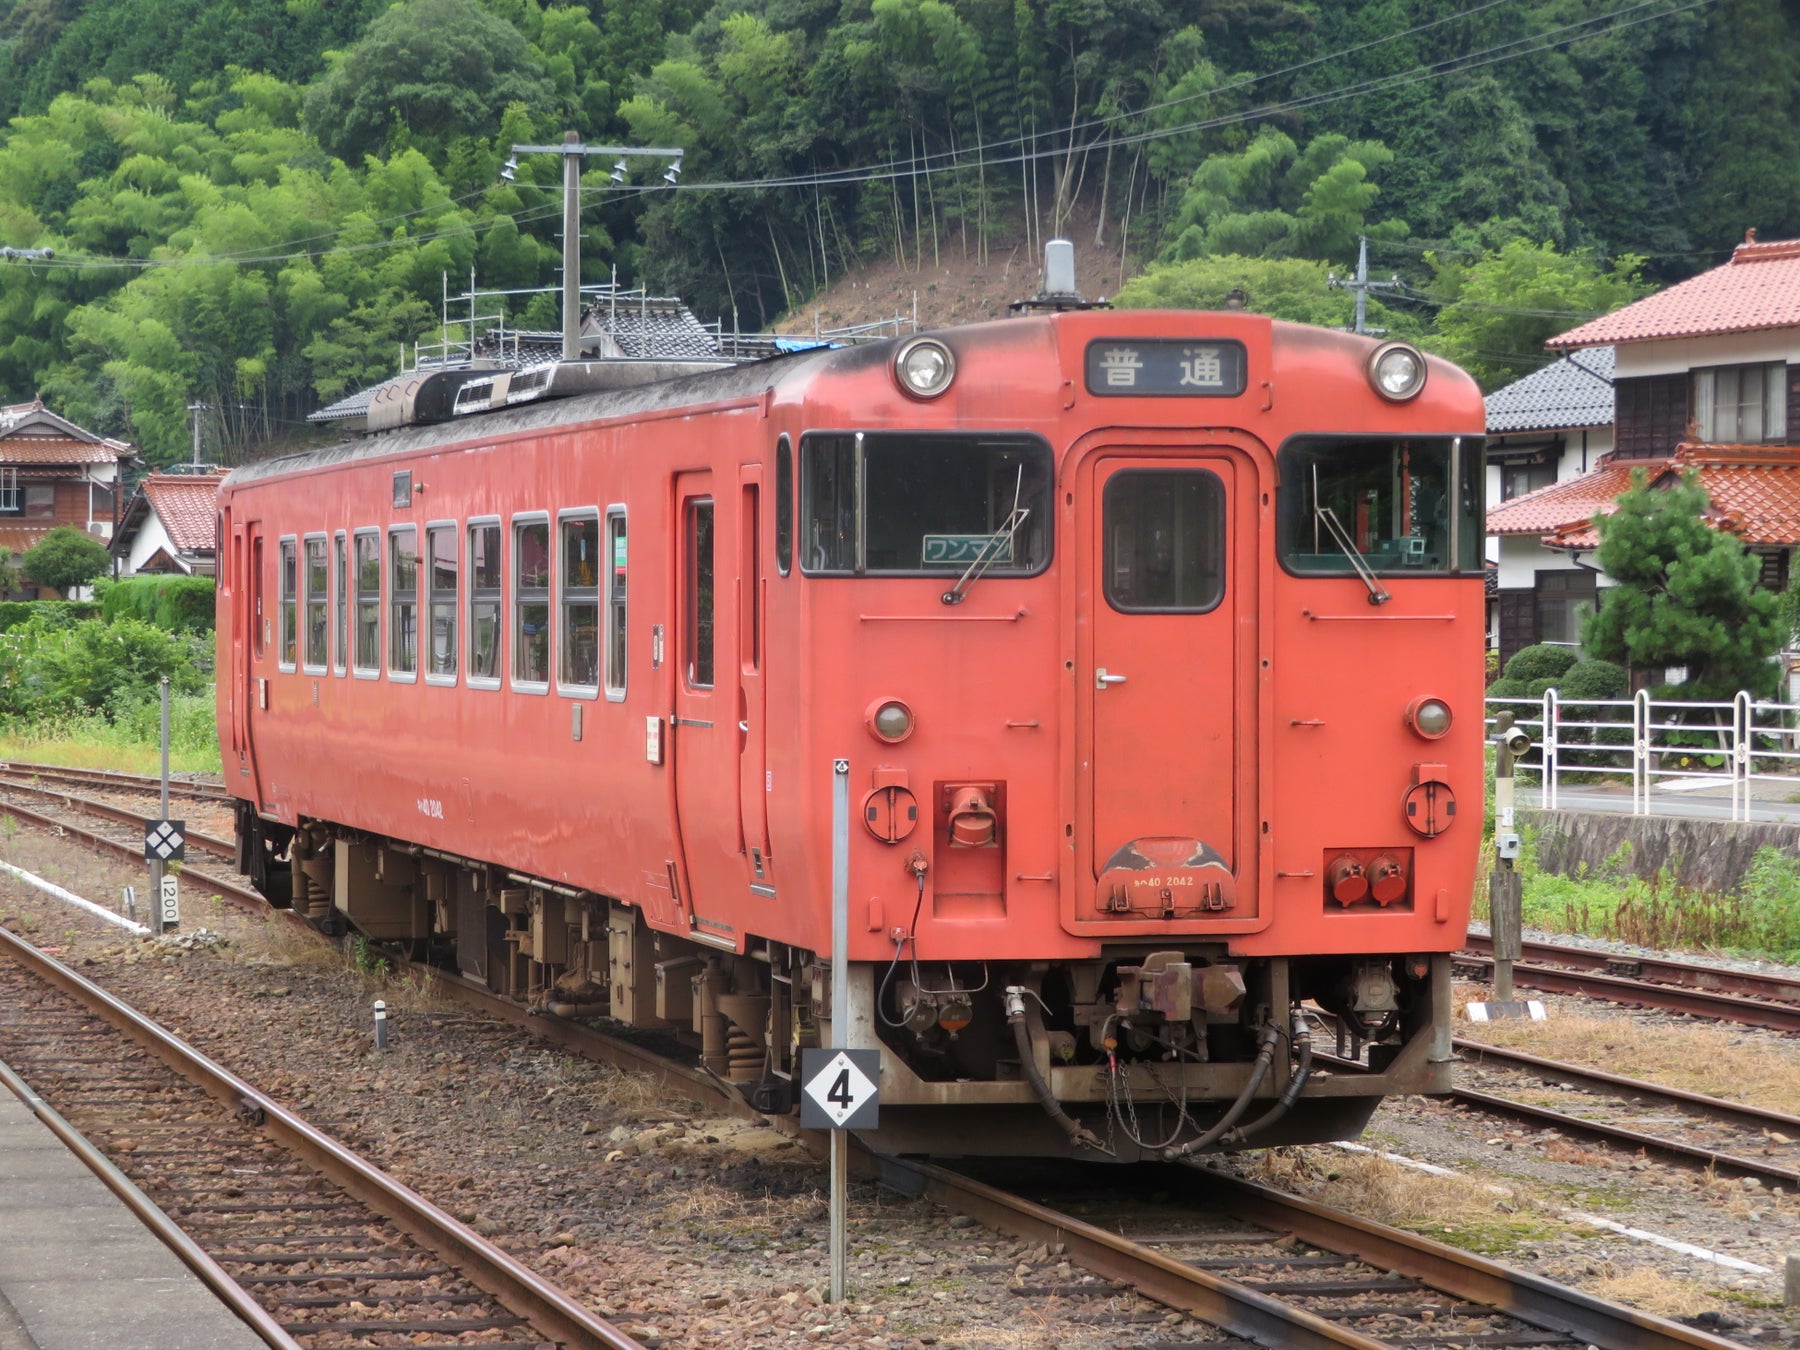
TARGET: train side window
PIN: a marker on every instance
(700, 593)
(531, 604)
(615, 603)
(484, 604)
(289, 574)
(368, 604)
(340, 591)
(403, 616)
(578, 604)
(318, 598)
(1164, 540)
(441, 576)
(784, 506)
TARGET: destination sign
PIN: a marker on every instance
(1193, 368)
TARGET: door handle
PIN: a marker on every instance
(1102, 679)
(744, 728)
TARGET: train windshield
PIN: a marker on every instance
(1397, 506)
(918, 504)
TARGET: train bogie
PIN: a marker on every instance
(1120, 671)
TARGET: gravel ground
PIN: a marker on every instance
(695, 1230)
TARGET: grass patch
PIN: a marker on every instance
(1663, 1295)
(131, 744)
(1761, 917)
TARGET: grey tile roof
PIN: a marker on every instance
(1573, 392)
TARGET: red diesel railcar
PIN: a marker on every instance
(1152, 641)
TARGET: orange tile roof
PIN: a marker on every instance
(43, 450)
(1754, 491)
(187, 505)
(1758, 288)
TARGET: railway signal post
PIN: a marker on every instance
(164, 840)
(1505, 885)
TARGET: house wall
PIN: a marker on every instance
(1680, 355)
(150, 537)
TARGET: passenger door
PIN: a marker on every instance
(752, 598)
(704, 722)
(1166, 689)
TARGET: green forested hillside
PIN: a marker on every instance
(255, 204)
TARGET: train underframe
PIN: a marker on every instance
(1148, 1051)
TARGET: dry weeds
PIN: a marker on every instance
(1376, 1188)
(1642, 1287)
(1700, 1057)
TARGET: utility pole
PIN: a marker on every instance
(572, 151)
(1362, 286)
(198, 410)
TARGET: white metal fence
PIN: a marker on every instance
(1716, 748)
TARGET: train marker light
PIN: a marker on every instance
(924, 367)
(1429, 717)
(890, 720)
(1397, 371)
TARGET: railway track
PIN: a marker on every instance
(1279, 1270)
(113, 779)
(307, 1242)
(1768, 1001)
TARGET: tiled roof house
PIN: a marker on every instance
(170, 525)
(1703, 376)
(52, 473)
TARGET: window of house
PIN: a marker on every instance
(100, 501)
(289, 575)
(615, 603)
(368, 602)
(578, 576)
(317, 604)
(1564, 599)
(1741, 405)
(403, 603)
(531, 603)
(340, 591)
(442, 573)
(484, 604)
(40, 503)
(1518, 479)
(11, 500)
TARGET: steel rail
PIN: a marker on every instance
(516, 1286)
(1667, 997)
(219, 848)
(189, 1252)
(241, 896)
(1656, 969)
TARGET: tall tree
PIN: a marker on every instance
(1686, 596)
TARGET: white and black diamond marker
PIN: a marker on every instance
(164, 840)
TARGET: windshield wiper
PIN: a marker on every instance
(1341, 537)
(991, 547)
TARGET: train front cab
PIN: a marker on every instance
(1250, 836)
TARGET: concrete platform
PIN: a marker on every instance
(78, 1271)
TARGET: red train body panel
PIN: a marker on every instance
(1128, 676)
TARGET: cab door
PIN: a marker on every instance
(249, 645)
(704, 725)
(1166, 688)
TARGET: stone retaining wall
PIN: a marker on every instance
(1707, 854)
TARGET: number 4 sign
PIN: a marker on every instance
(839, 1089)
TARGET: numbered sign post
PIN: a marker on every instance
(169, 902)
(839, 1088)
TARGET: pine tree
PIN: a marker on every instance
(1685, 596)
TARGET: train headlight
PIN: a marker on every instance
(1430, 717)
(924, 367)
(1397, 371)
(890, 720)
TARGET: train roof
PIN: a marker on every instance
(727, 384)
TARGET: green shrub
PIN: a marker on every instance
(1542, 664)
(62, 613)
(1593, 680)
(48, 670)
(177, 604)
